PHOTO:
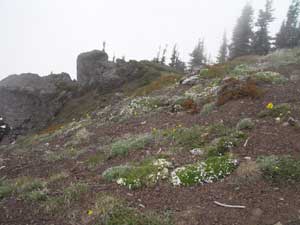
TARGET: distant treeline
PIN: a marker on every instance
(249, 37)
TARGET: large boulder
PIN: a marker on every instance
(93, 68)
(29, 101)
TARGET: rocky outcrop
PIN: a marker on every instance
(4, 128)
(94, 70)
(29, 101)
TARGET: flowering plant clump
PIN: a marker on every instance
(146, 174)
(276, 111)
(270, 106)
(141, 105)
(212, 169)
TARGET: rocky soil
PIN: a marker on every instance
(163, 150)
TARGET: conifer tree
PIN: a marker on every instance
(242, 34)
(174, 56)
(223, 52)
(280, 41)
(175, 60)
(288, 36)
(163, 57)
(197, 56)
(261, 41)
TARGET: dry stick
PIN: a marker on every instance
(230, 206)
(246, 143)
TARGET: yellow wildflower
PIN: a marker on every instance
(270, 106)
(90, 212)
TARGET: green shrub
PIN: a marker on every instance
(243, 70)
(222, 145)
(114, 173)
(208, 108)
(281, 110)
(280, 169)
(6, 189)
(146, 173)
(270, 77)
(245, 124)
(212, 169)
(123, 146)
(36, 195)
(214, 71)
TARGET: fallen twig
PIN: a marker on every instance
(246, 143)
(2, 167)
(230, 206)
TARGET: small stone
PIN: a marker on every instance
(292, 121)
(285, 124)
(197, 151)
(281, 199)
(279, 223)
(247, 157)
(257, 212)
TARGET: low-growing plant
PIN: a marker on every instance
(114, 173)
(220, 146)
(280, 169)
(70, 195)
(245, 124)
(27, 188)
(280, 110)
(147, 173)
(208, 108)
(68, 153)
(247, 173)
(123, 146)
(165, 80)
(127, 215)
(270, 77)
(214, 71)
(6, 189)
(56, 177)
(142, 105)
(95, 160)
(208, 171)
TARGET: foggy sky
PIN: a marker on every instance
(43, 36)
